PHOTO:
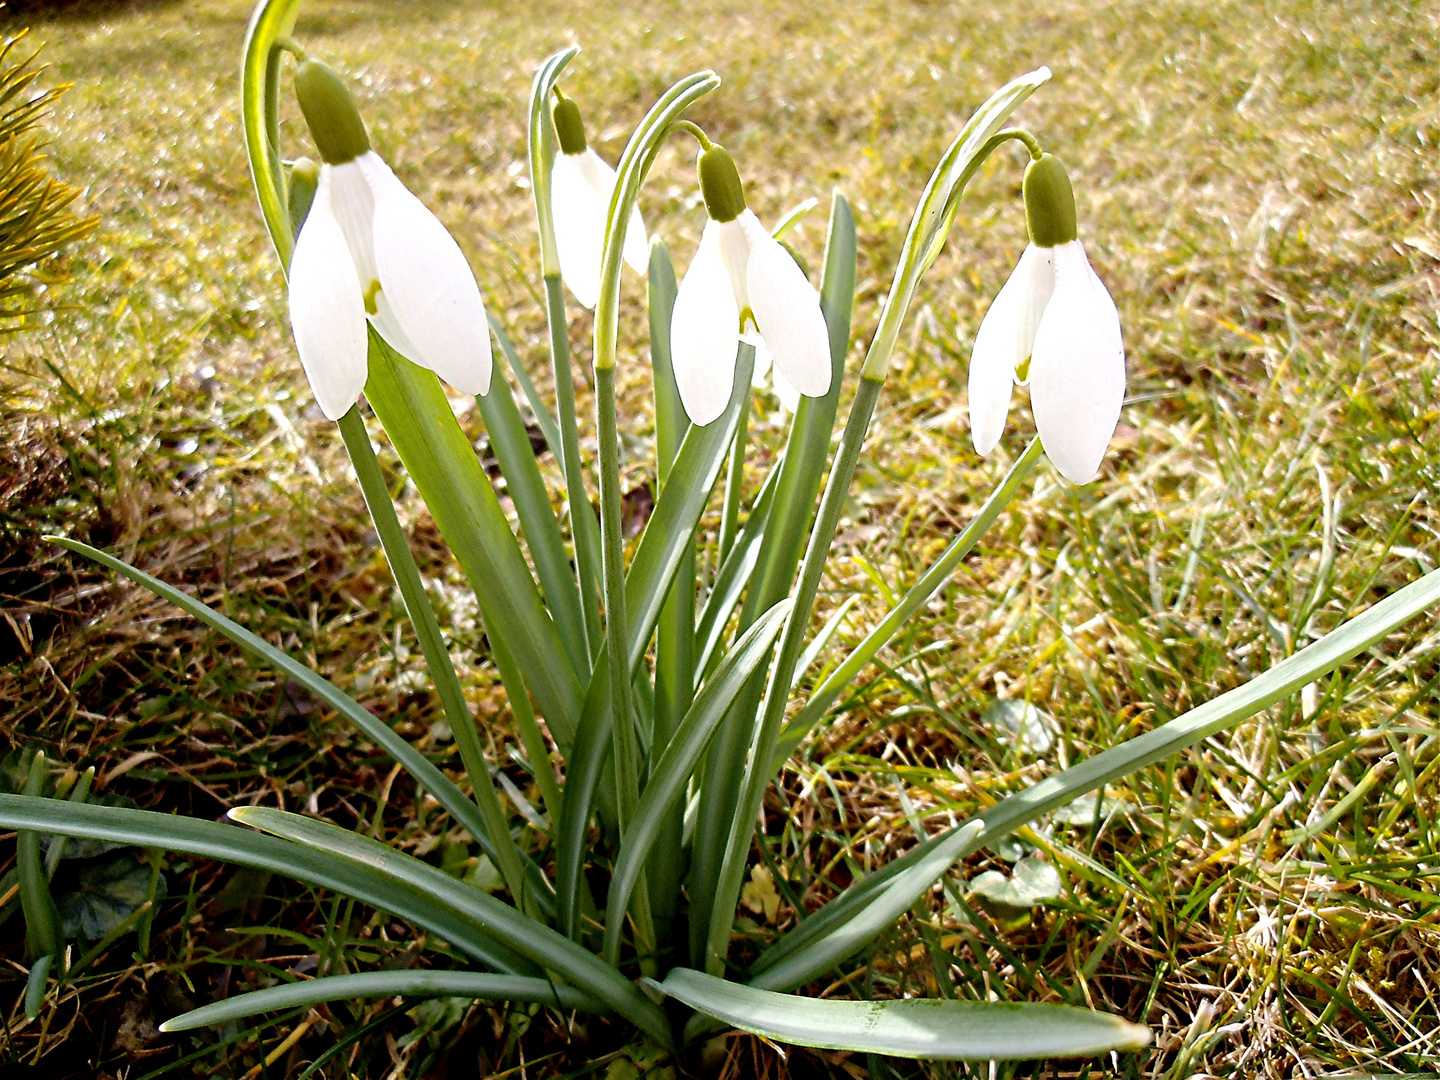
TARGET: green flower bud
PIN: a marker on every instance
(1049, 202)
(335, 123)
(720, 184)
(569, 127)
(304, 179)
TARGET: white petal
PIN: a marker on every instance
(788, 395)
(1036, 271)
(354, 207)
(787, 310)
(1077, 371)
(735, 253)
(705, 332)
(1004, 341)
(601, 178)
(760, 374)
(579, 212)
(428, 284)
(326, 309)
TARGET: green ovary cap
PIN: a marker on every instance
(1049, 202)
(720, 184)
(330, 111)
(569, 128)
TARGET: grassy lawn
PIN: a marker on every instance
(1257, 186)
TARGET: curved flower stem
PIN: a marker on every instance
(499, 843)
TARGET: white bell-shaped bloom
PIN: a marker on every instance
(1054, 312)
(741, 271)
(580, 189)
(765, 373)
(370, 249)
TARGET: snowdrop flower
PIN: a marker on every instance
(580, 188)
(765, 368)
(1054, 325)
(370, 250)
(741, 275)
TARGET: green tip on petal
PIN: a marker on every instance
(330, 111)
(569, 127)
(1049, 202)
(720, 184)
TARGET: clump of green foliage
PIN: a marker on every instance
(37, 211)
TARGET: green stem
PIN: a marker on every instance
(583, 528)
(622, 736)
(734, 482)
(832, 505)
(437, 657)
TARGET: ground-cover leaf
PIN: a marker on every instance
(427, 775)
(866, 910)
(228, 843)
(106, 893)
(930, 1029)
(475, 985)
(536, 942)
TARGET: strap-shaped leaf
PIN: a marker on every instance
(476, 985)
(668, 533)
(862, 912)
(416, 764)
(673, 769)
(930, 1029)
(929, 583)
(227, 843)
(442, 464)
(511, 443)
(535, 941)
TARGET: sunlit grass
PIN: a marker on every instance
(1257, 186)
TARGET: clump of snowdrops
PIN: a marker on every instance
(654, 703)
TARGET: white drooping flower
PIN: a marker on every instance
(767, 374)
(370, 250)
(580, 188)
(740, 276)
(1053, 325)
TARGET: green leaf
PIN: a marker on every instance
(547, 424)
(667, 535)
(442, 464)
(673, 769)
(42, 923)
(35, 985)
(919, 594)
(858, 915)
(427, 775)
(929, 1029)
(227, 843)
(475, 985)
(1031, 883)
(511, 443)
(537, 942)
(799, 475)
(107, 892)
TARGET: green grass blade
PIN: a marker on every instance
(42, 921)
(928, 1029)
(426, 775)
(858, 915)
(443, 466)
(538, 943)
(501, 846)
(673, 768)
(820, 640)
(474, 985)
(212, 840)
(929, 583)
(511, 443)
